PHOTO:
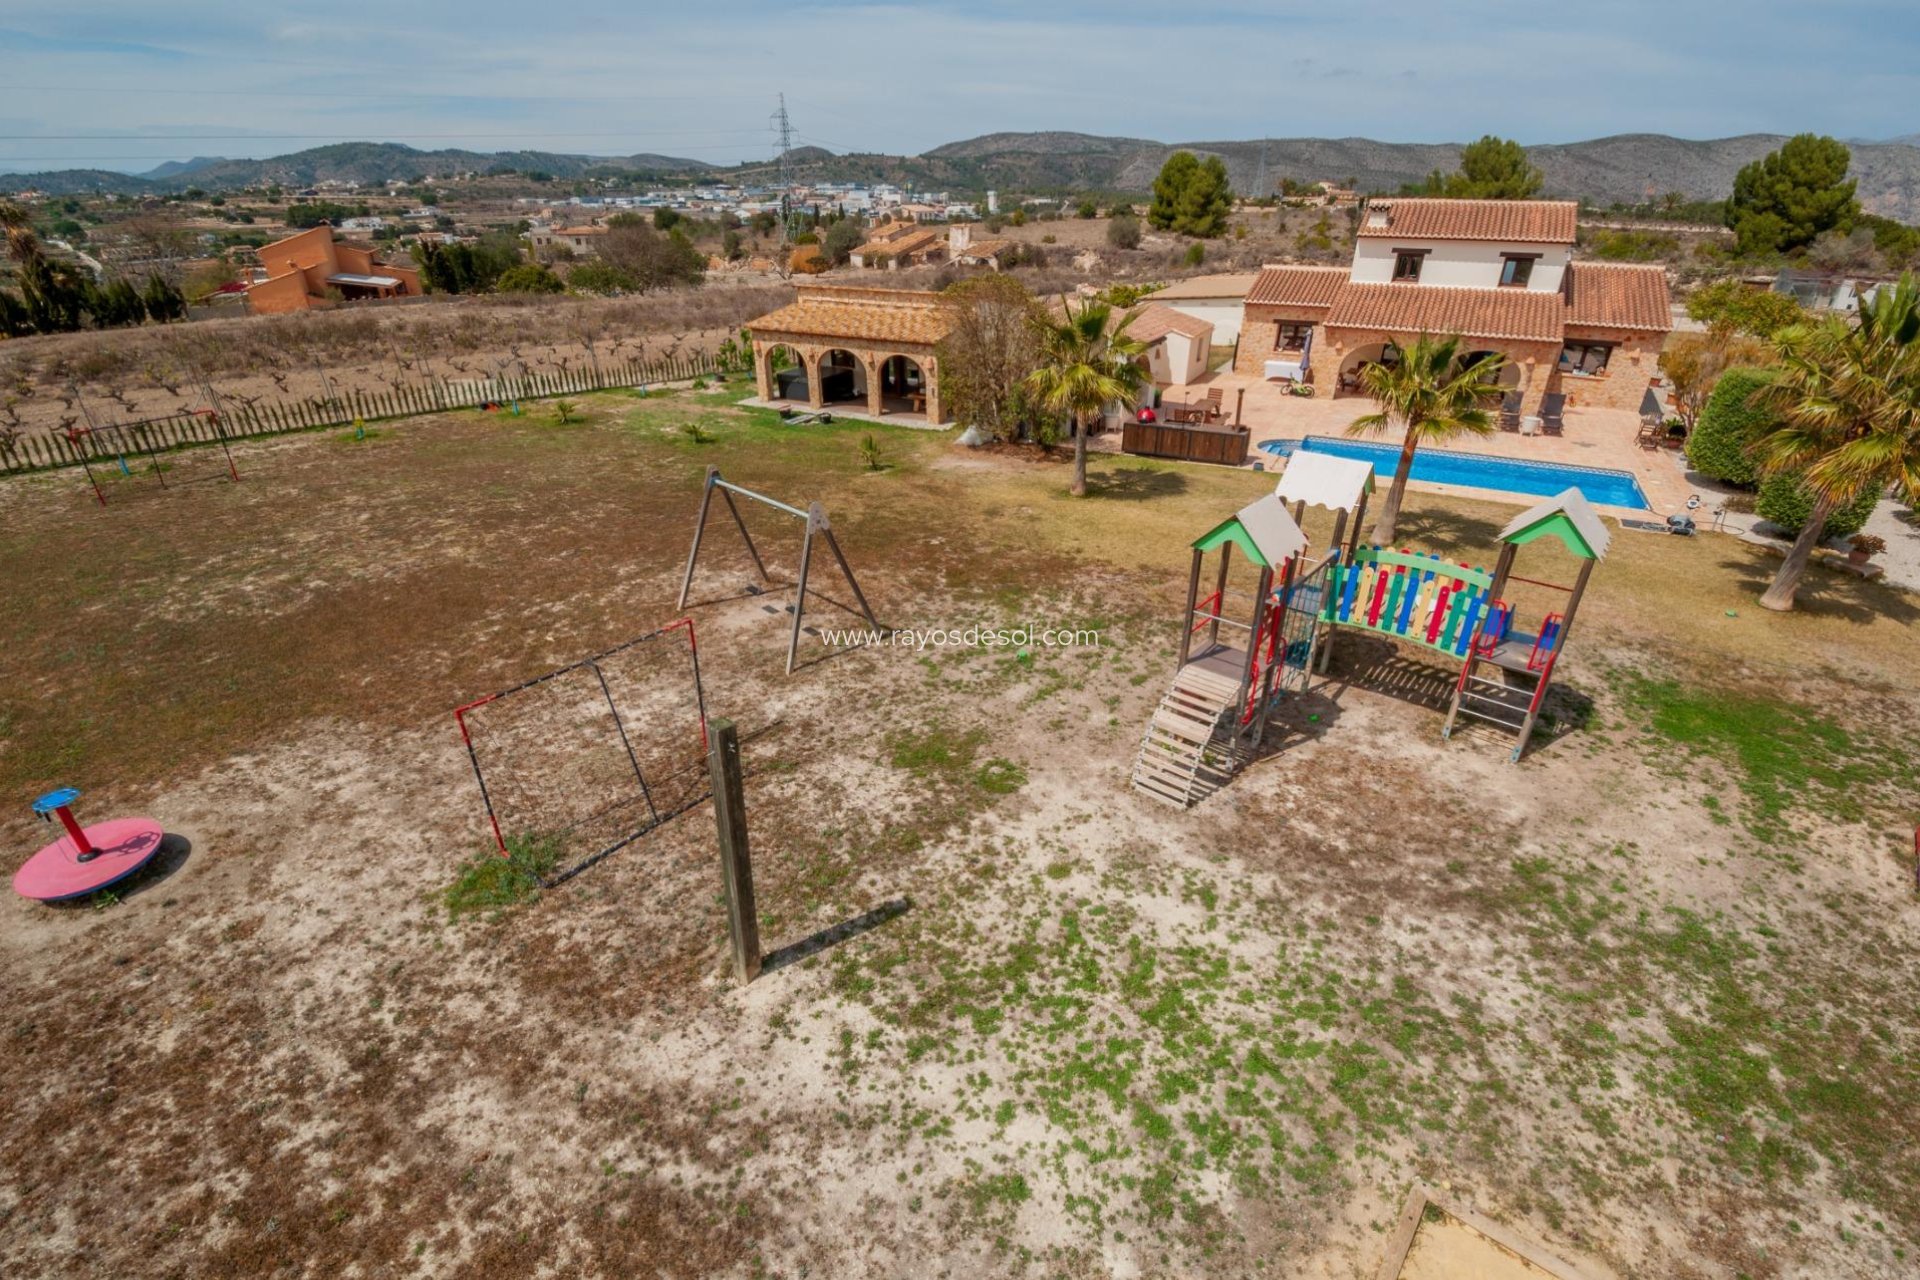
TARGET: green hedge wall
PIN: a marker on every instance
(1786, 504)
(1729, 423)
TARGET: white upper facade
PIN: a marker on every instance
(1465, 244)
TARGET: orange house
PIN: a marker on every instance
(300, 270)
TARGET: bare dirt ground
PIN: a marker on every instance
(1647, 998)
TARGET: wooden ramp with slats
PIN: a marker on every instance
(1190, 747)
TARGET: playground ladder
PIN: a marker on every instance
(1189, 748)
(1494, 701)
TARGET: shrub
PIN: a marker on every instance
(1123, 231)
(1196, 254)
(1729, 423)
(529, 277)
(1785, 503)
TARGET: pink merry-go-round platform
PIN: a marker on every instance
(121, 847)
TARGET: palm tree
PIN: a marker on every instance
(1087, 363)
(1435, 393)
(1848, 396)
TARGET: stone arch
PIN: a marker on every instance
(842, 374)
(1512, 377)
(900, 377)
(775, 359)
(1384, 350)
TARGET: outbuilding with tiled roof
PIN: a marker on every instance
(1179, 346)
(871, 349)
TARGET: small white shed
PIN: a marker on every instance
(1178, 345)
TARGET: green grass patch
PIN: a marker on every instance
(491, 883)
(1778, 752)
(1000, 776)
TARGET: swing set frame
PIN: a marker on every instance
(815, 517)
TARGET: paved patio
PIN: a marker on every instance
(1593, 438)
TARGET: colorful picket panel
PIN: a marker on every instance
(1413, 595)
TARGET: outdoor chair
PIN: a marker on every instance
(1213, 408)
(1510, 411)
(1552, 409)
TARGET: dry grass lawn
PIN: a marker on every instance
(1648, 997)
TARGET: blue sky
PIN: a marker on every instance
(125, 84)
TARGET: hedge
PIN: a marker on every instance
(1786, 504)
(1717, 448)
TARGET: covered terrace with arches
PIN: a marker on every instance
(869, 352)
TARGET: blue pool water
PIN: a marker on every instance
(1479, 470)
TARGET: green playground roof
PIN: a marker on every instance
(1263, 529)
(1567, 516)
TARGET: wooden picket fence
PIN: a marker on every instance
(266, 418)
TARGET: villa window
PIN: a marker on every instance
(1516, 269)
(1585, 357)
(1291, 336)
(1406, 265)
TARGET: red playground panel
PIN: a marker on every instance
(86, 859)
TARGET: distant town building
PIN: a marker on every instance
(312, 269)
(900, 244)
(583, 241)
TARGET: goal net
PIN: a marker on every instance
(580, 762)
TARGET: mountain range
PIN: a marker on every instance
(1626, 168)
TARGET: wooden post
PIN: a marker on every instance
(1219, 594)
(1553, 658)
(800, 589)
(833, 545)
(736, 861)
(699, 527)
(1239, 403)
(1193, 598)
(1260, 606)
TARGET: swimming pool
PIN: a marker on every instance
(1479, 470)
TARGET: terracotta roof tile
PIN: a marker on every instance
(1521, 314)
(907, 316)
(1297, 286)
(1154, 322)
(895, 246)
(1609, 295)
(1506, 221)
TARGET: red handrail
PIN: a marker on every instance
(1209, 611)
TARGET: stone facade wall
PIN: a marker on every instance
(1634, 362)
(1631, 367)
(1261, 327)
(1536, 362)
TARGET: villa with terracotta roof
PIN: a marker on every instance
(900, 244)
(312, 269)
(869, 349)
(1499, 273)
